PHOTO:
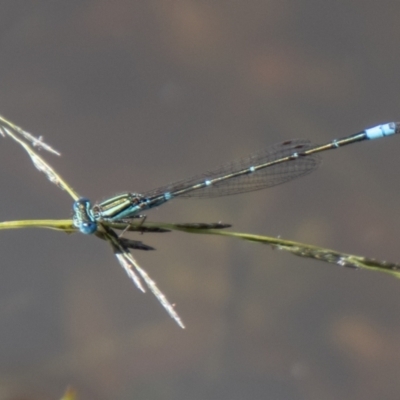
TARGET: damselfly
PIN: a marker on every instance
(273, 166)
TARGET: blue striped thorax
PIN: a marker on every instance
(122, 206)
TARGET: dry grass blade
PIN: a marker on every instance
(42, 165)
(64, 225)
(296, 248)
(309, 251)
(36, 142)
(132, 268)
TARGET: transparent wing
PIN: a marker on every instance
(272, 175)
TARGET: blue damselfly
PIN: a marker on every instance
(275, 165)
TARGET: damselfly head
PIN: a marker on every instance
(82, 218)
